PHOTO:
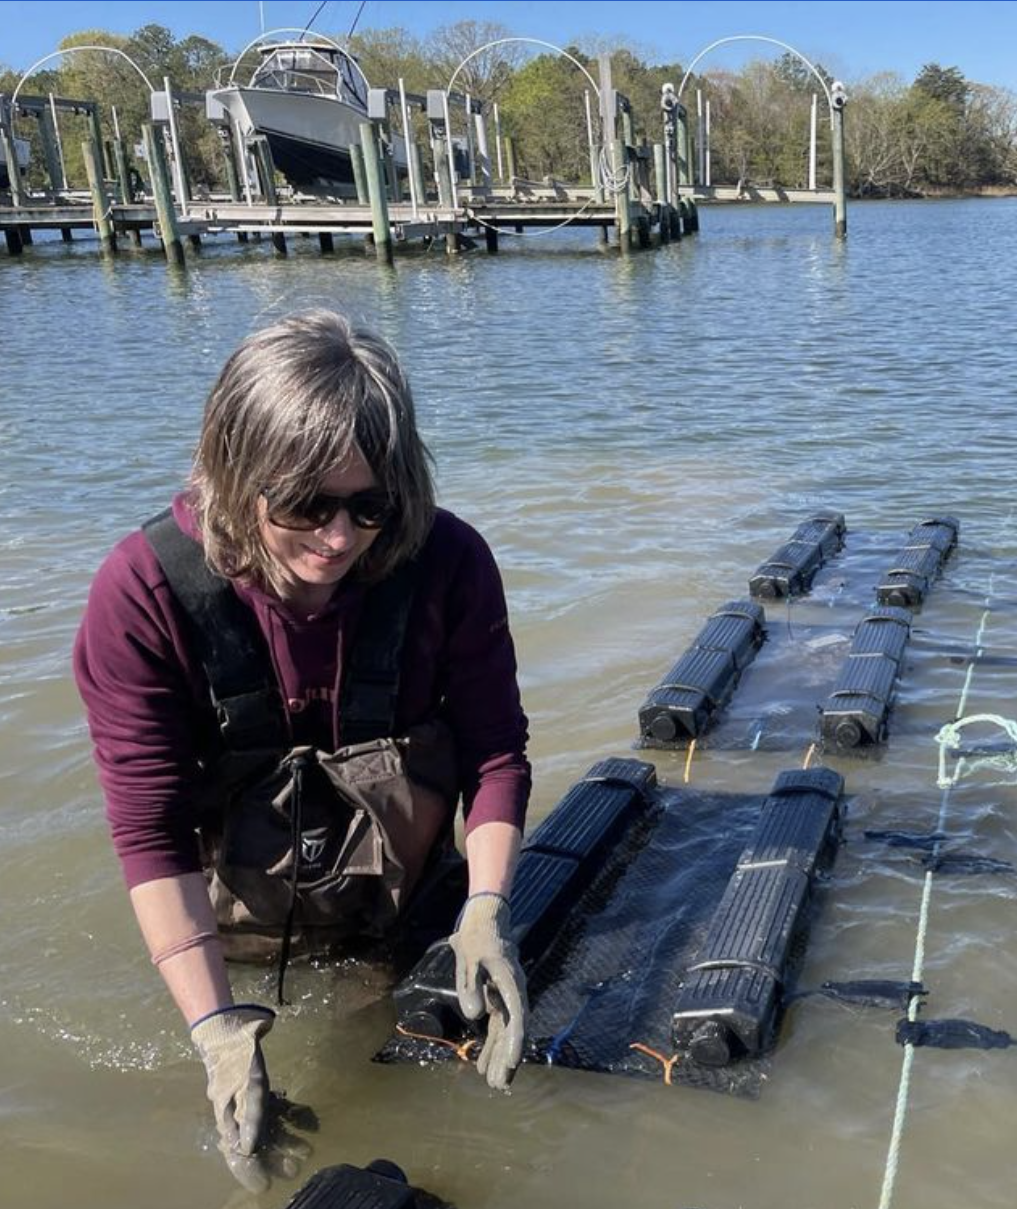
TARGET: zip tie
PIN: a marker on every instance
(688, 761)
(667, 1063)
(808, 756)
(461, 1049)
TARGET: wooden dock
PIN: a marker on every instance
(483, 217)
(479, 215)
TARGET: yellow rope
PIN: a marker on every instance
(667, 1063)
(688, 761)
(460, 1049)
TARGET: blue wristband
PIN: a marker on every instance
(232, 1007)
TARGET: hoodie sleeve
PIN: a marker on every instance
(482, 702)
(141, 697)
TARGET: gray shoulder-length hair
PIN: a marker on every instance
(290, 405)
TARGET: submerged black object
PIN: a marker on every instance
(916, 566)
(379, 1185)
(694, 691)
(558, 862)
(730, 998)
(868, 992)
(790, 570)
(855, 714)
(951, 1034)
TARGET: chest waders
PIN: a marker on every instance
(300, 846)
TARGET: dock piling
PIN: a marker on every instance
(10, 153)
(102, 206)
(839, 100)
(162, 195)
(510, 160)
(622, 212)
(375, 180)
(660, 181)
(266, 177)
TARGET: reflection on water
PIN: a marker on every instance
(633, 437)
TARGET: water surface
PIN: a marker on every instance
(633, 437)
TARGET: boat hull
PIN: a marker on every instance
(309, 136)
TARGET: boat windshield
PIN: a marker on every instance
(321, 70)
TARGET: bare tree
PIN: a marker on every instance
(486, 73)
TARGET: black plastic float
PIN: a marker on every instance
(856, 712)
(729, 1004)
(929, 543)
(696, 689)
(379, 1185)
(557, 863)
(790, 570)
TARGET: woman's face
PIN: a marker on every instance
(313, 561)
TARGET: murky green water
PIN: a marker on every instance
(633, 437)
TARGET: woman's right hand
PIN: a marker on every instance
(228, 1041)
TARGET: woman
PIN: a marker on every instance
(290, 679)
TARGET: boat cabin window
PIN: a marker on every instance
(322, 71)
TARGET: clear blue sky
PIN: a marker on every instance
(852, 38)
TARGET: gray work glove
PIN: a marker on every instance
(229, 1043)
(489, 979)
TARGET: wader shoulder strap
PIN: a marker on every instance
(226, 639)
(236, 660)
(371, 683)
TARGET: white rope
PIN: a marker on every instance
(945, 737)
(949, 740)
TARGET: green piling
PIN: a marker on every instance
(266, 175)
(50, 151)
(123, 176)
(359, 176)
(510, 158)
(232, 176)
(102, 206)
(375, 180)
(162, 195)
(96, 128)
(230, 158)
(10, 154)
(360, 184)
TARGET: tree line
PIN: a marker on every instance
(939, 132)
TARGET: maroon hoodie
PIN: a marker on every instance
(144, 691)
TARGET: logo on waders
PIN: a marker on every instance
(311, 848)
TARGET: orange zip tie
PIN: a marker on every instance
(688, 760)
(461, 1049)
(667, 1063)
(808, 756)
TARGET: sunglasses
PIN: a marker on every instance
(366, 509)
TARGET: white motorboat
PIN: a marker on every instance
(308, 100)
